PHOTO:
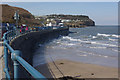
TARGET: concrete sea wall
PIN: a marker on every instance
(26, 44)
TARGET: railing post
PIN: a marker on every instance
(16, 64)
(6, 57)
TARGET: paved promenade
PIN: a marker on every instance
(1, 60)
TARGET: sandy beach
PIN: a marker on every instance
(62, 68)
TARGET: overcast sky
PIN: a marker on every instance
(103, 13)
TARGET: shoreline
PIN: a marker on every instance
(74, 69)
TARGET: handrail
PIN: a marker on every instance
(16, 56)
(9, 47)
(26, 65)
(7, 74)
(29, 68)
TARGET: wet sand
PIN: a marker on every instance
(62, 68)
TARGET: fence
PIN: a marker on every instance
(16, 54)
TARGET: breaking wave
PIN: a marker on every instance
(89, 42)
(109, 35)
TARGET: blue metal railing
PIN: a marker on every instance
(15, 55)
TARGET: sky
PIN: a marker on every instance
(59, 0)
(103, 13)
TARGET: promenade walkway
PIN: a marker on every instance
(1, 60)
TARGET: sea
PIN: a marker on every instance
(92, 45)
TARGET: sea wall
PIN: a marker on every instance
(26, 43)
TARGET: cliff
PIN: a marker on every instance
(25, 16)
(73, 20)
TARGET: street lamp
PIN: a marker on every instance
(16, 17)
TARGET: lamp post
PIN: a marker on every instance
(16, 17)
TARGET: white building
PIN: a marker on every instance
(49, 24)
